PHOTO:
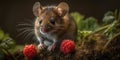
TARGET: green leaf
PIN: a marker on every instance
(91, 24)
(77, 17)
(108, 17)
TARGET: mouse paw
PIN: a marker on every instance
(41, 46)
(51, 47)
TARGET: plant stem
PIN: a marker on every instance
(105, 46)
(98, 30)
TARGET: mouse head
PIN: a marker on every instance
(50, 18)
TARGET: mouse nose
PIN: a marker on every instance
(46, 26)
(45, 29)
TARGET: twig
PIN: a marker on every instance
(98, 30)
(105, 46)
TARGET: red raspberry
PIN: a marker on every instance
(67, 46)
(30, 51)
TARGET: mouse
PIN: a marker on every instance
(53, 24)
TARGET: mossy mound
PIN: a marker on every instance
(90, 49)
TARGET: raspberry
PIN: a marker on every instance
(67, 46)
(30, 51)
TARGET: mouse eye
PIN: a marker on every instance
(40, 21)
(52, 21)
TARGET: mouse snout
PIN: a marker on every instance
(45, 28)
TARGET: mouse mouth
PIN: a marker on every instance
(45, 30)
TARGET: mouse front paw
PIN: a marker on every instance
(51, 47)
(41, 46)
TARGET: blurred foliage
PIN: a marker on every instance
(113, 29)
(77, 17)
(5, 40)
(85, 25)
(108, 17)
(112, 22)
(6, 44)
(89, 26)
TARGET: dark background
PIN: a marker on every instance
(12, 11)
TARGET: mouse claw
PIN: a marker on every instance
(41, 46)
(51, 47)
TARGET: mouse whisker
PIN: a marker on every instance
(24, 25)
(25, 29)
(29, 35)
(22, 29)
(53, 31)
(60, 25)
(28, 21)
(59, 28)
(24, 32)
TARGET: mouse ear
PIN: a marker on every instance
(37, 9)
(63, 8)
